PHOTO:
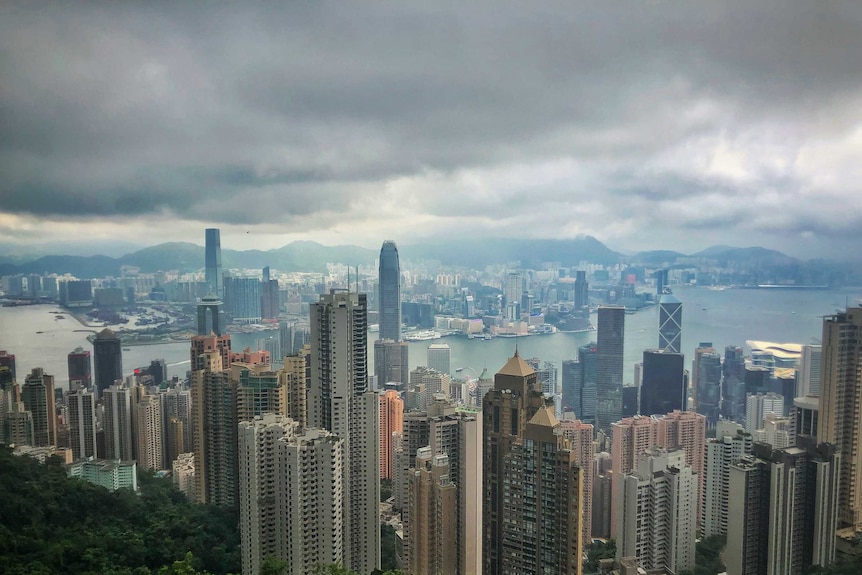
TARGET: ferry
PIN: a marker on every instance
(423, 335)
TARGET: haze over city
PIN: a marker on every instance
(649, 126)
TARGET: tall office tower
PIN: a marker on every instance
(431, 528)
(259, 390)
(669, 324)
(532, 516)
(117, 423)
(79, 369)
(582, 292)
(706, 373)
(783, 503)
(660, 282)
(391, 362)
(176, 423)
(8, 360)
(107, 359)
(459, 436)
(609, 366)
(731, 444)
(808, 372)
(37, 394)
(664, 387)
(571, 383)
(81, 415)
(840, 415)
(244, 300)
(391, 421)
(733, 384)
(269, 305)
(438, 357)
(434, 381)
(214, 428)
(757, 405)
(149, 434)
(213, 275)
(290, 493)
(389, 286)
(656, 520)
(580, 435)
(340, 402)
(631, 400)
(211, 318)
(294, 377)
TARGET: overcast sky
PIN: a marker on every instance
(649, 125)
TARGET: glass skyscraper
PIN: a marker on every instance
(213, 263)
(389, 289)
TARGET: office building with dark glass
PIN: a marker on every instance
(663, 386)
(213, 272)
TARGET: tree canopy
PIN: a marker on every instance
(53, 524)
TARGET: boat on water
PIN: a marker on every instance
(423, 335)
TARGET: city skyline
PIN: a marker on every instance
(356, 124)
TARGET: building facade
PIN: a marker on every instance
(389, 296)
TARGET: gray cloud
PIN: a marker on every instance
(610, 119)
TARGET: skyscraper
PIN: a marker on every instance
(438, 357)
(431, 526)
(213, 273)
(244, 300)
(391, 362)
(210, 316)
(706, 376)
(609, 366)
(81, 414)
(731, 444)
(149, 435)
(840, 416)
(669, 323)
(107, 359)
(8, 360)
(340, 402)
(79, 368)
(582, 292)
(663, 389)
(290, 491)
(117, 423)
(783, 505)
(391, 421)
(214, 429)
(37, 394)
(533, 488)
(459, 436)
(269, 302)
(808, 373)
(657, 514)
(389, 286)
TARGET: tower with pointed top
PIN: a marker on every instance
(532, 501)
(669, 323)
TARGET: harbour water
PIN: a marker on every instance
(722, 317)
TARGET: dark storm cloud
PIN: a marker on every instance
(296, 112)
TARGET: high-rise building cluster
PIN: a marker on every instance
(515, 472)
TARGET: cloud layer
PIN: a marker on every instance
(651, 124)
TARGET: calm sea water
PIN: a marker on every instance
(721, 317)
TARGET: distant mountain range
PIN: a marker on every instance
(313, 257)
